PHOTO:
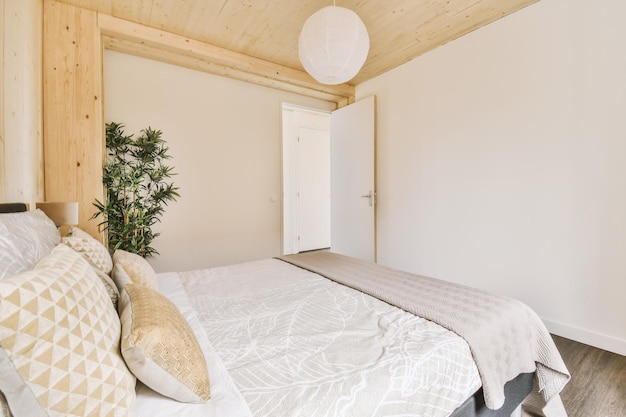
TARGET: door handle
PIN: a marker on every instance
(371, 196)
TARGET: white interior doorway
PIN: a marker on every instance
(306, 179)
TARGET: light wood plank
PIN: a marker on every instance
(2, 64)
(73, 120)
(20, 135)
(125, 36)
(438, 24)
(200, 64)
(399, 30)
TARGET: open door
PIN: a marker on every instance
(352, 173)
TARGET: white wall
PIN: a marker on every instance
(225, 137)
(21, 147)
(502, 164)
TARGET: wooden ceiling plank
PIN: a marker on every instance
(104, 6)
(200, 64)
(122, 29)
(436, 31)
(132, 31)
(268, 30)
(201, 21)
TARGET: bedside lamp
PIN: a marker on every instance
(62, 214)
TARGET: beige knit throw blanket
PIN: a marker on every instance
(505, 336)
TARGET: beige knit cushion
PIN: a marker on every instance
(91, 249)
(137, 269)
(59, 339)
(160, 348)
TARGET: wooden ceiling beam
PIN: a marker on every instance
(134, 38)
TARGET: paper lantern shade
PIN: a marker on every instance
(333, 45)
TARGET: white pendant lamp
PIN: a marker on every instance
(333, 45)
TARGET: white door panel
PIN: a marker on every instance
(353, 213)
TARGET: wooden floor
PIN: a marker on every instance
(598, 384)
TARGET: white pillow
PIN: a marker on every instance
(30, 235)
(11, 260)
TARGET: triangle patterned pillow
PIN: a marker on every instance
(90, 248)
(60, 342)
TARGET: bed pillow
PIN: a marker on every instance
(59, 342)
(11, 260)
(160, 348)
(30, 235)
(109, 285)
(98, 257)
(130, 267)
(91, 249)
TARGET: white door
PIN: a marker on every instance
(306, 174)
(353, 192)
(313, 189)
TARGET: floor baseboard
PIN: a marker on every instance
(599, 340)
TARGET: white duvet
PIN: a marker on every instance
(281, 341)
(226, 401)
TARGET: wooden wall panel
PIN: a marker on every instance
(72, 100)
(21, 159)
(2, 161)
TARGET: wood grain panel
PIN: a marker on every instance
(141, 40)
(72, 98)
(206, 65)
(409, 29)
(21, 154)
(2, 161)
(399, 30)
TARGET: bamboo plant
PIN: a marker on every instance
(137, 187)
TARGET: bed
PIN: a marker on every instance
(315, 334)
